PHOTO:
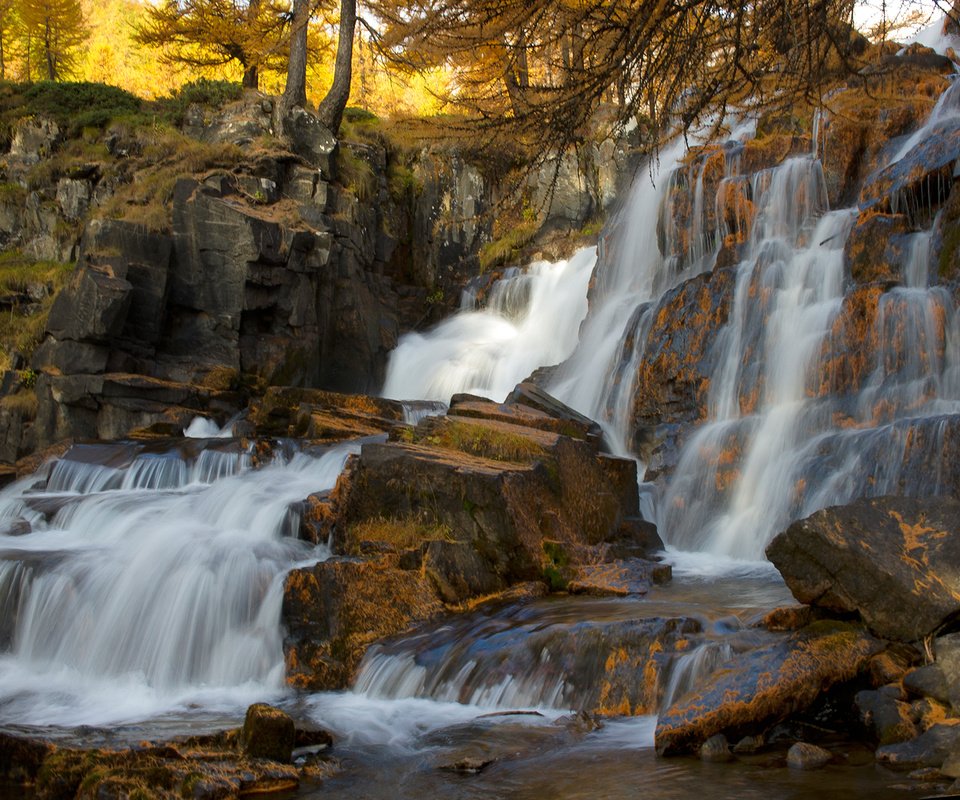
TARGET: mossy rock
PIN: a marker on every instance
(268, 732)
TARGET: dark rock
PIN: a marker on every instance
(459, 572)
(674, 371)
(877, 248)
(748, 744)
(930, 749)
(92, 307)
(886, 718)
(528, 395)
(803, 755)
(894, 560)
(268, 733)
(22, 758)
(927, 681)
(947, 653)
(763, 686)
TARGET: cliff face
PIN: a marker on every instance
(295, 263)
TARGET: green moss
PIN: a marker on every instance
(79, 105)
(507, 247)
(356, 174)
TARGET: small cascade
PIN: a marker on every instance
(129, 587)
(531, 320)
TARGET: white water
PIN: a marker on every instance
(123, 603)
(531, 320)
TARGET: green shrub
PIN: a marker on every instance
(79, 105)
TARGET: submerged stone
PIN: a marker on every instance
(804, 755)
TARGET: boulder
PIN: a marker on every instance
(311, 140)
(673, 376)
(764, 686)
(929, 749)
(268, 733)
(804, 755)
(334, 610)
(887, 718)
(91, 307)
(895, 561)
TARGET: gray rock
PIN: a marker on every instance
(947, 652)
(34, 138)
(927, 681)
(73, 197)
(888, 719)
(803, 755)
(92, 307)
(929, 749)
(311, 140)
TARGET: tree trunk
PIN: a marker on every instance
(251, 77)
(48, 51)
(332, 106)
(295, 91)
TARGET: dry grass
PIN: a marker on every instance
(401, 533)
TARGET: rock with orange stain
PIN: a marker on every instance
(849, 351)
(877, 247)
(335, 609)
(673, 376)
(761, 687)
(893, 560)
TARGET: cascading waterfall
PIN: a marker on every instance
(781, 439)
(130, 588)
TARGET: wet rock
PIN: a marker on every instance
(318, 414)
(716, 749)
(22, 758)
(467, 765)
(790, 618)
(877, 248)
(268, 733)
(803, 755)
(673, 376)
(761, 687)
(893, 560)
(920, 182)
(748, 744)
(930, 749)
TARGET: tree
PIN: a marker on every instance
(53, 31)
(213, 33)
(7, 27)
(332, 106)
(540, 70)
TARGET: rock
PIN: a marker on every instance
(929, 749)
(268, 733)
(334, 610)
(803, 755)
(887, 719)
(33, 138)
(878, 247)
(92, 307)
(311, 140)
(716, 749)
(317, 414)
(748, 744)
(673, 376)
(526, 396)
(618, 578)
(790, 618)
(947, 653)
(893, 560)
(763, 686)
(927, 681)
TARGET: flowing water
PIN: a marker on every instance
(140, 587)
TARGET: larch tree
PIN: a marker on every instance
(539, 71)
(8, 22)
(213, 33)
(52, 31)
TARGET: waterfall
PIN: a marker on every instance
(132, 587)
(790, 426)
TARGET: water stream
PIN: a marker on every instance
(141, 587)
